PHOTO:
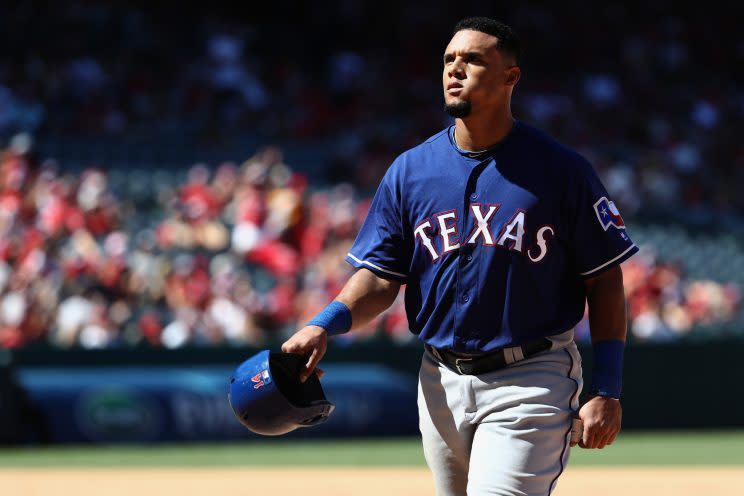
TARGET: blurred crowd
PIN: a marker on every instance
(236, 255)
(650, 91)
(664, 305)
(242, 252)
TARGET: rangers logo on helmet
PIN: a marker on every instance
(260, 379)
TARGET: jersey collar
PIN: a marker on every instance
(479, 155)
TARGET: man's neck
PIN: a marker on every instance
(473, 134)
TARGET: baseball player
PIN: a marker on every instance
(501, 236)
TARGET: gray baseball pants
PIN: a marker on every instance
(504, 432)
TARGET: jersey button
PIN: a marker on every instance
(474, 196)
(469, 258)
(466, 298)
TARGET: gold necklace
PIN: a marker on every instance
(454, 138)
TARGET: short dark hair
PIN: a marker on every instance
(508, 40)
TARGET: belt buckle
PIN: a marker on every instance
(468, 362)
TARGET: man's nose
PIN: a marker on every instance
(457, 69)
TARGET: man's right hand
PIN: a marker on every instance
(311, 342)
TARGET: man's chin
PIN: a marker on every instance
(458, 108)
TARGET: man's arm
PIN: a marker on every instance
(602, 415)
(366, 296)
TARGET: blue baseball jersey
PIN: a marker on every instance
(494, 246)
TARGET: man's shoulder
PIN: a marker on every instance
(555, 152)
(410, 160)
(545, 142)
(439, 137)
(437, 142)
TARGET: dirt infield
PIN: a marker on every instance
(348, 482)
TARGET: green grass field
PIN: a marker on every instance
(631, 449)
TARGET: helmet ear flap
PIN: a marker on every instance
(321, 417)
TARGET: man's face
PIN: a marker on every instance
(477, 77)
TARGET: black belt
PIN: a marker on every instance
(495, 360)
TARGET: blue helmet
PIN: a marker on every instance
(268, 398)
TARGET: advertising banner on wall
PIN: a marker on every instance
(153, 404)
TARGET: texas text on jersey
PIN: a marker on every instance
(485, 256)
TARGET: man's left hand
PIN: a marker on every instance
(601, 417)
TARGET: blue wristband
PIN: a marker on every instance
(607, 370)
(335, 318)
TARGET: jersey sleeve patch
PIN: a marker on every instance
(608, 214)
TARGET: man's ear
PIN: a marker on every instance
(512, 75)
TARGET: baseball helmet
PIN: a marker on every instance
(268, 398)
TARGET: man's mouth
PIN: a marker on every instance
(454, 89)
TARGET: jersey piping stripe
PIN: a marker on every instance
(609, 262)
(370, 264)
